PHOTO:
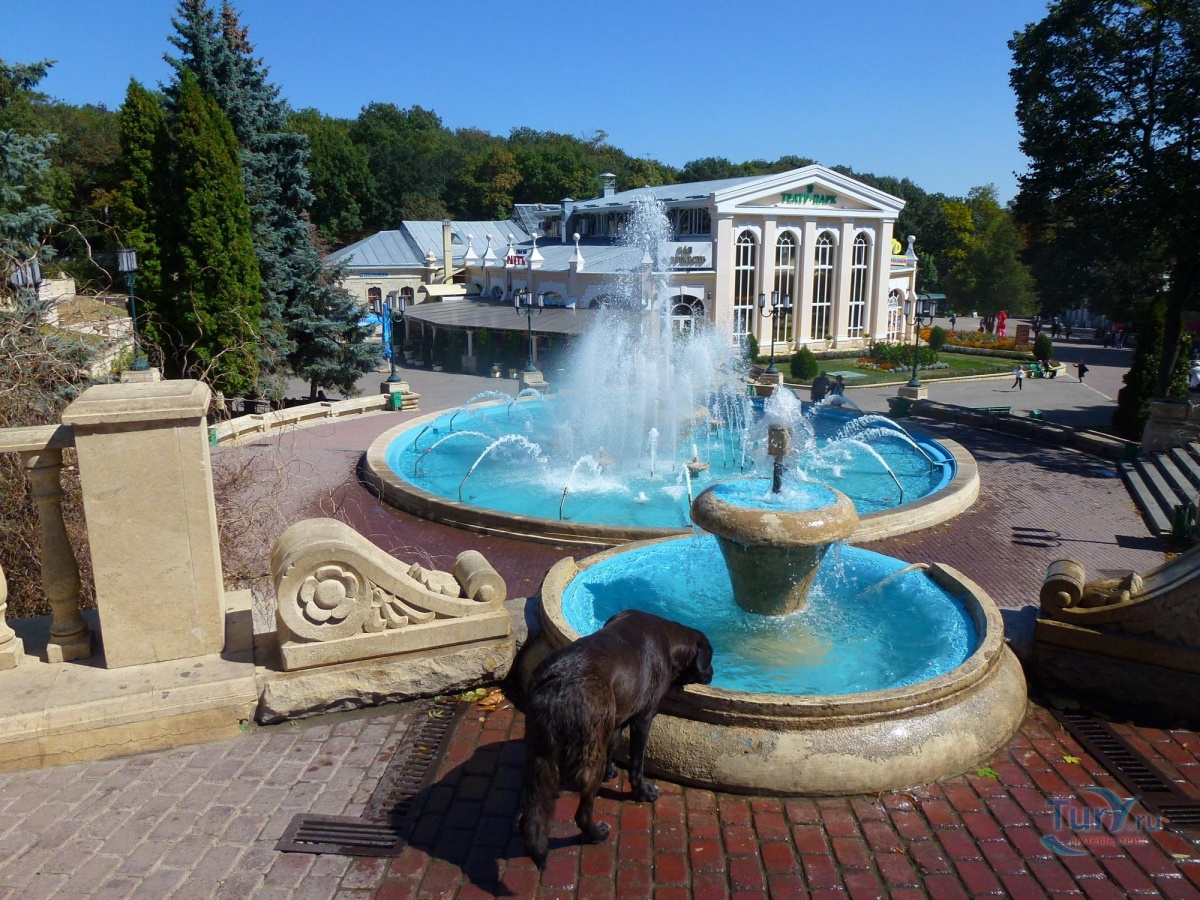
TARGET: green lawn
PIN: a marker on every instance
(961, 364)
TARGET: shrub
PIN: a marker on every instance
(751, 348)
(937, 338)
(804, 365)
(900, 355)
(1043, 347)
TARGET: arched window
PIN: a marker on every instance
(860, 281)
(822, 292)
(692, 222)
(895, 318)
(785, 286)
(685, 313)
(553, 298)
(602, 301)
(406, 297)
(375, 299)
(745, 285)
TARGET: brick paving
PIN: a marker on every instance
(203, 821)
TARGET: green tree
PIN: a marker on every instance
(486, 178)
(553, 166)
(341, 180)
(1108, 101)
(23, 164)
(138, 202)
(408, 155)
(215, 300)
(985, 271)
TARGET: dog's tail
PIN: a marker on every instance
(537, 802)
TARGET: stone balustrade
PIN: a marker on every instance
(41, 450)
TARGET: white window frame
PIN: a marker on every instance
(824, 254)
(860, 280)
(787, 256)
(745, 285)
(895, 319)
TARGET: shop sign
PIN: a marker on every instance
(684, 258)
(516, 260)
(810, 198)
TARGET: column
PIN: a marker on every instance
(841, 282)
(724, 260)
(881, 267)
(765, 327)
(803, 299)
(70, 637)
(152, 524)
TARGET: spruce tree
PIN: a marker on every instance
(217, 297)
(302, 319)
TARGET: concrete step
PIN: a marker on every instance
(1188, 464)
(1157, 519)
(1162, 492)
(1176, 478)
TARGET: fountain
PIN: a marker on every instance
(837, 670)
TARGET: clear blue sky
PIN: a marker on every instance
(917, 89)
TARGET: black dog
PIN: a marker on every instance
(579, 700)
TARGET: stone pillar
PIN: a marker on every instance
(70, 637)
(802, 302)
(152, 524)
(12, 648)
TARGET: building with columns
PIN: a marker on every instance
(813, 235)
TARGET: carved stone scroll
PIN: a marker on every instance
(341, 598)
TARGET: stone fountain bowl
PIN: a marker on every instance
(401, 493)
(827, 745)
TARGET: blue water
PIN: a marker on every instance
(860, 631)
(649, 493)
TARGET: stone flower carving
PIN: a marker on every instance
(329, 595)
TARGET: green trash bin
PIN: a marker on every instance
(212, 436)
(1183, 522)
(1131, 452)
(1035, 414)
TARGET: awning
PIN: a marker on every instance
(475, 314)
(439, 291)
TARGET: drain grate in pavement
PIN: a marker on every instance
(385, 823)
(1137, 774)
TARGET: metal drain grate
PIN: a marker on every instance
(389, 814)
(1137, 775)
(341, 835)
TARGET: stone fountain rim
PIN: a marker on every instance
(750, 708)
(926, 512)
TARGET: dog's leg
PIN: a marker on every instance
(610, 768)
(590, 773)
(639, 733)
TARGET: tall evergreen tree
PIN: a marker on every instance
(138, 202)
(216, 294)
(23, 162)
(296, 295)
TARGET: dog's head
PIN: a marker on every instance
(698, 669)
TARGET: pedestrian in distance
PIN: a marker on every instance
(953, 321)
(1067, 330)
(1019, 384)
(1082, 369)
(820, 387)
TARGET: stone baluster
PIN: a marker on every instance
(70, 637)
(12, 649)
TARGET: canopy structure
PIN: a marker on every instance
(473, 314)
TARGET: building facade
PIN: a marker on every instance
(819, 238)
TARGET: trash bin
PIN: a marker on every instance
(1035, 414)
(1131, 452)
(212, 436)
(899, 406)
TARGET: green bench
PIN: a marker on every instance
(999, 410)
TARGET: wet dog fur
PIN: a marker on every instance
(580, 698)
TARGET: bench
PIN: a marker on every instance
(999, 410)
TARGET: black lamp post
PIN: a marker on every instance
(777, 307)
(529, 305)
(127, 264)
(393, 317)
(918, 314)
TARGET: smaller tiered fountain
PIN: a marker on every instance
(773, 540)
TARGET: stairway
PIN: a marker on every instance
(1159, 482)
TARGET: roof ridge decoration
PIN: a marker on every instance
(470, 258)
(489, 255)
(577, 257)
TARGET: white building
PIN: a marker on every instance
(816, 236)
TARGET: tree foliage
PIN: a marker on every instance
(23, 165)
(1108, 101)
(984, 268)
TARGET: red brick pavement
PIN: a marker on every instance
(973, 835)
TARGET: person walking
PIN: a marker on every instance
(1019, 384)
(1082, 369)
(1067, 330)
(953, 321)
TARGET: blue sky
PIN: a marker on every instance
(916, 89)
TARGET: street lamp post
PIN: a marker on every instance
(392, 318)
(918, 312)
(529, 305)
(127, 264)
(777, 308)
